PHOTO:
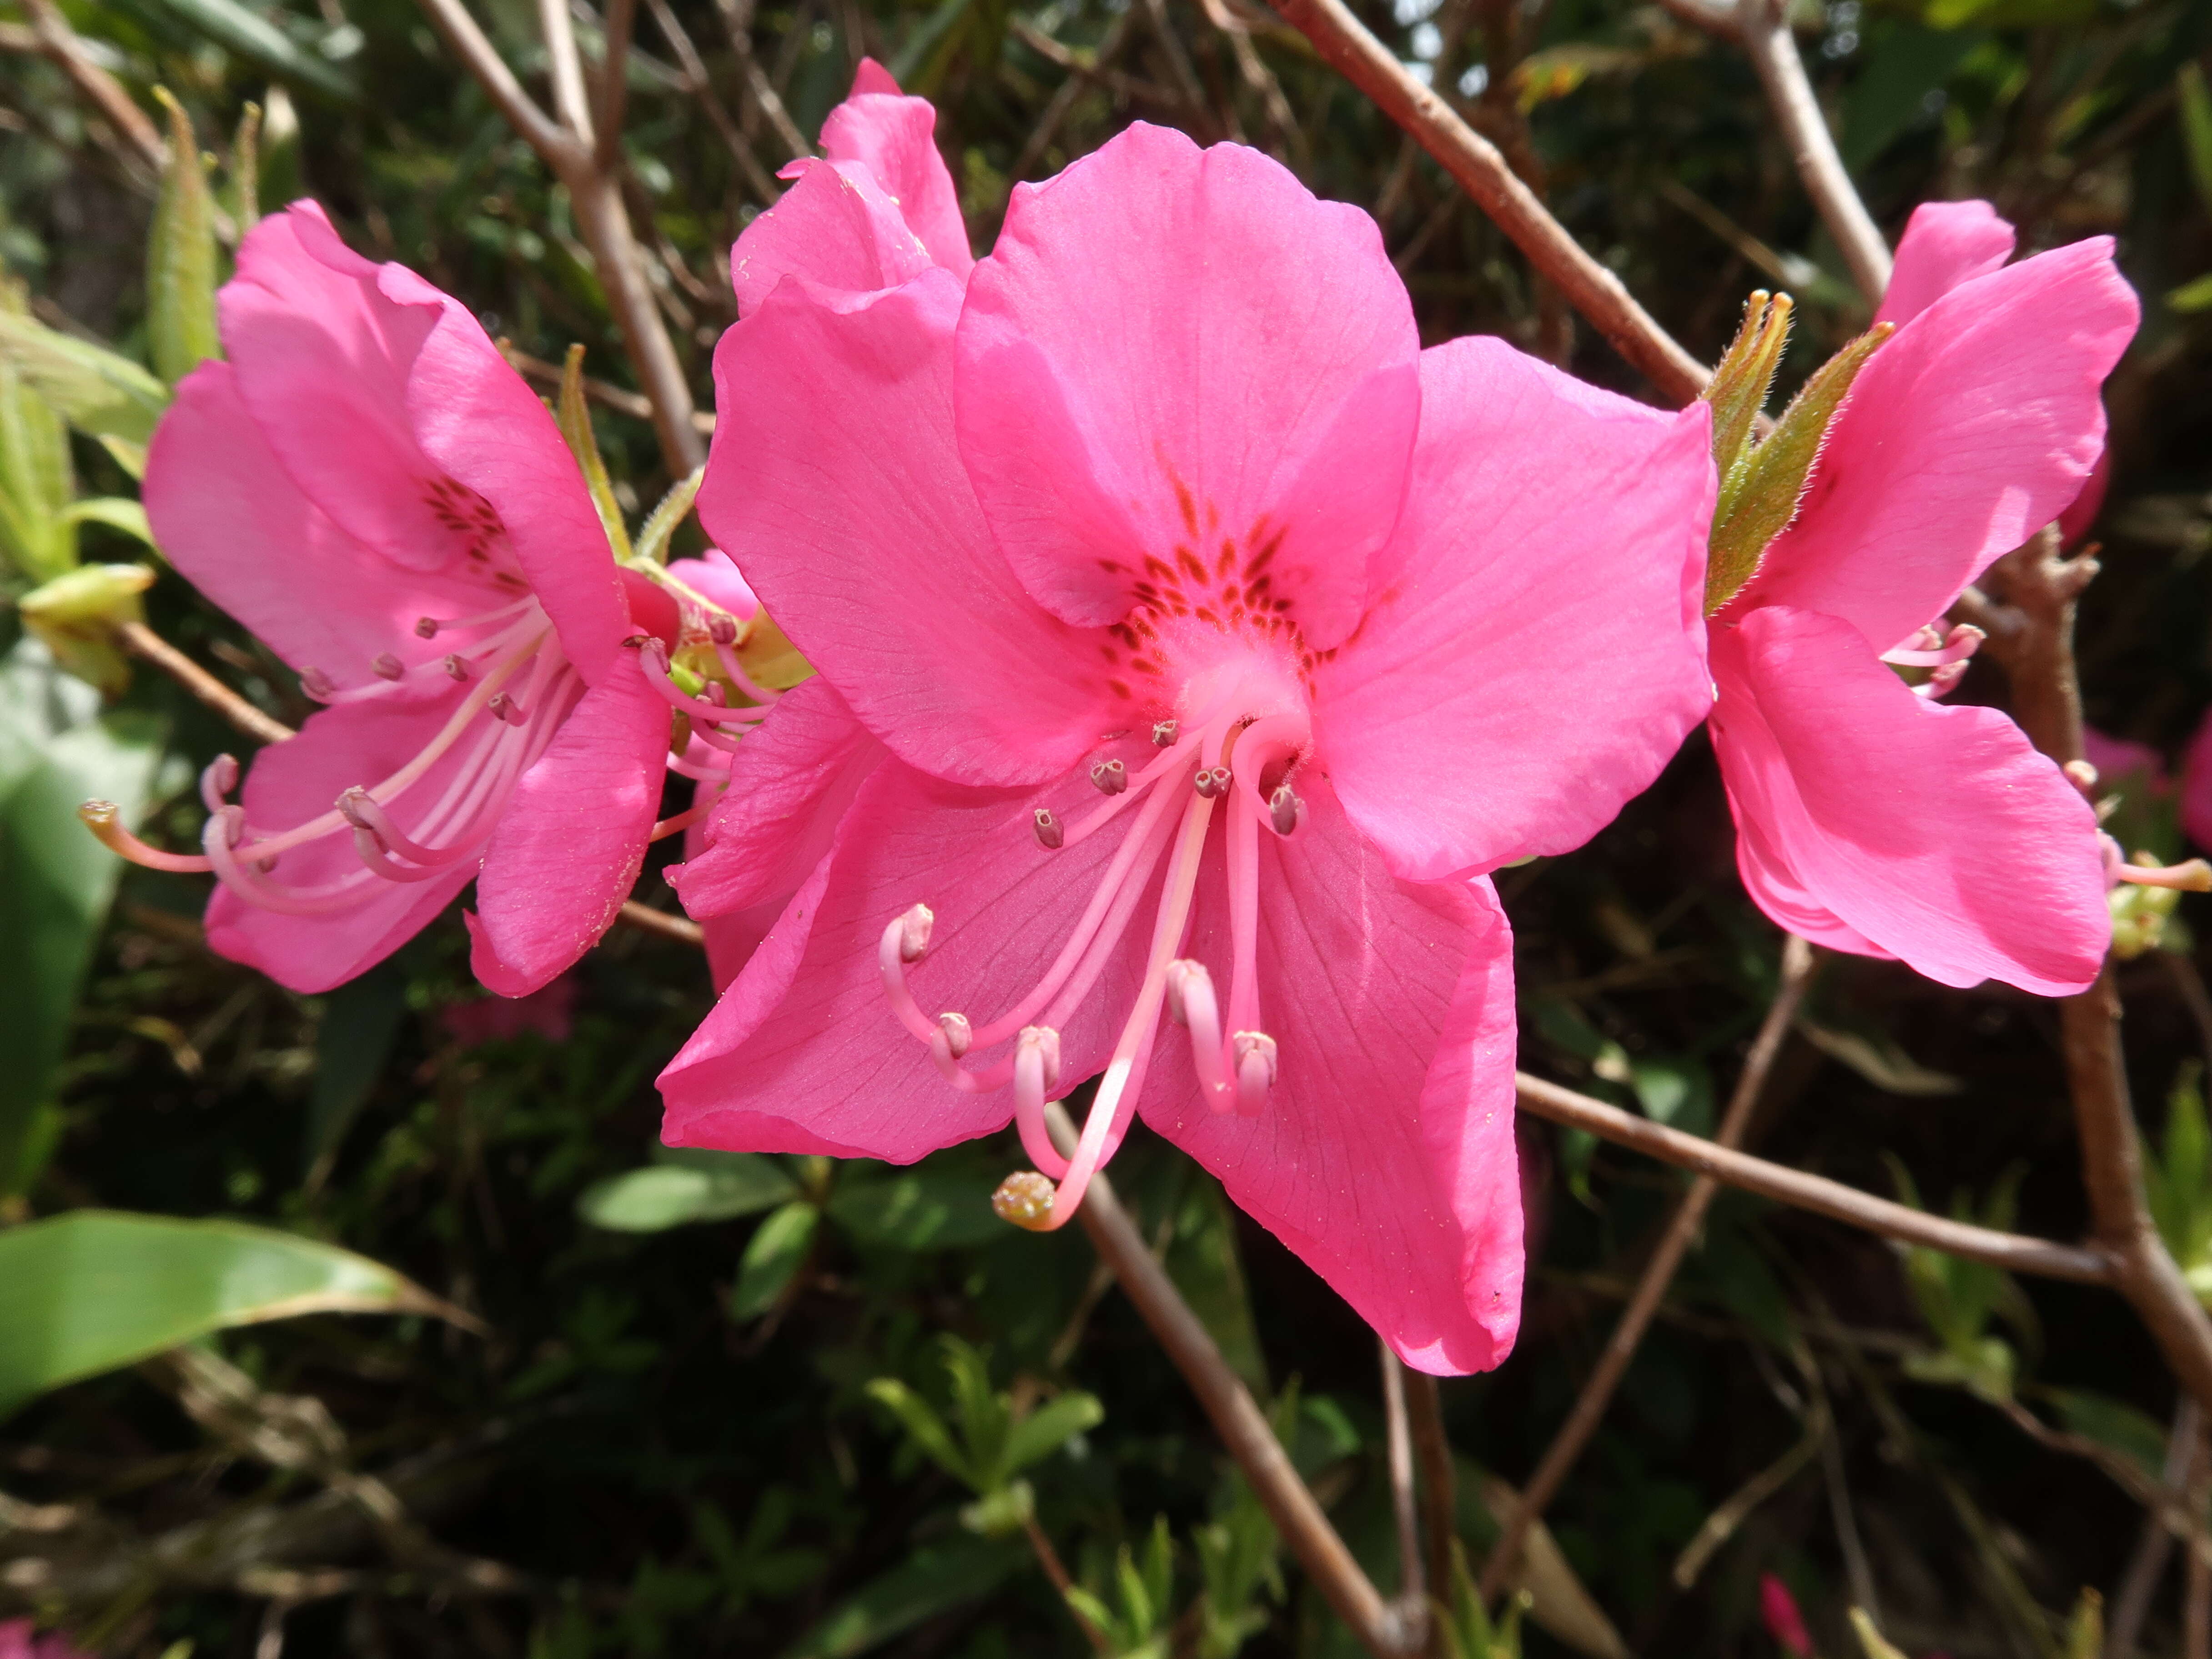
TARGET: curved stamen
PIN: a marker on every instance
(1931, 649)
(105, 819)
(1190, 1002)
(907, 939)
(1036, 1071)
(217, 779)
(1256, 1070)
(726, 655)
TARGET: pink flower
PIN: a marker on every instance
(1777, 1608)
(1189, 640)
(1869, 819)
(19, 1639)
(369, 487)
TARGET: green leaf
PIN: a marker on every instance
(575, 417)
(95, 390)
(115, 512)
(2116, 1424)
(360, 1021)
(181, 257)
(934, 1205)
(933, 1581)
(660, 524)
(95, 1289)
(772, 1257)
(1048, 1428)
(36, 480)
(1759, 496)
(251, 36)
(56, 880)
(986, 1415)
(2191, 297)
(244, 202)
(1202, 1258)
(1889, 94)
(927, 1429)
(1740, 381)
(670, 1194)
(2196, 127)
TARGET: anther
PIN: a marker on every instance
(723, 630)
(317, 685)
(2081, 774)
(1180, 972)
(914, 932)
(1024, 1198)
(1255, 1056)
(1050, 831)
(1111, 777)
(501, 707)
(426, 627)
(348, 805)
(1284, 809)
(217, 780)
(959, 1034)
(1163, 734)
(387, 667)
(455, 668)
(1212, 781)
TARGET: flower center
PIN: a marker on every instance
(1238, 728)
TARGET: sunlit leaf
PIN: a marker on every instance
(772, 1257)
(251, 36)
(938, 1205)
(1048, 1428)
(672, 1194)
(94, 389)
(181, 257)
(926, 1428)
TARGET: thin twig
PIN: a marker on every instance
(761, 181)
(1810, 1192)
(1773, 53)
(1482, 172)
(1797, 965)
(1049, 1559)
(1057, 109)
(646, 919)
(599, 392)
(67, 50)
(2131, 1604)
(1236, 1417)
(738, 26)
(143, 642)
(1439, 1484)
(614, 82)
(1413, 1591)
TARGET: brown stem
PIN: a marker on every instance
(1797, 964)
(1412, 1590)
(1773, 53)
(1049, 1559)
(2031, 632)
(614, 83)
(596, 196)
(1439, 1486)
(646, 919)
(143, 642)
(2196, 1602)
(737, 24)
(62, 44)
(1811, 1192)
(2131, 1603)
(1482, 172)
(758, 176)
(1236, 1417)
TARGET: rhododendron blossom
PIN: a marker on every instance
(369, 486)
(1870, 817)
(1189, 641)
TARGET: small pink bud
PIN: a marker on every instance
(1784, 1623)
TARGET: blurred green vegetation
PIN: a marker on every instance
(632, 1402)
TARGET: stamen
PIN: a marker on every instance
(317, 685)
(1285, 812)
(959, 1036)
(1190, 1002)
(1930, 649)
(1212, 781)
(735, 670)
(1111, 777)
(2194, 876)
(1024, 1198)
(1051, 834)
(683, 820)
(426, 627)
(1256, 1060)
(387, 667)
(455, 668)
(1163, 734)
(1941, 681)
(905, 939)
(105, 819)
(1037, 1070)
(217, 779)
(501, 707)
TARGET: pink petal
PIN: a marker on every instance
(1178, 357)
(570, 844)
(1964, 434)
(894, 138)
(1534, 651)
(837, 228)
(1944, 244)
(1936, 831)
(289, 783)
(835, 484)
(230, 517)
(2120, 760)
(714, 578)
(322, 357)
(802, 1053)
(1775, 889)
(1385, 1157)
(790, 784)
(487, 429)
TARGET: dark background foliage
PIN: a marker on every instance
(663, 1455)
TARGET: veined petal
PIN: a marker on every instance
(1944, 244)
(570, 844)
(1534, 650)
(1178, 359)
(1936, 831)
(894, 136)
(1385, 1157)
(837, 228)
(836, 485)
(802, 1052)
(1964, 434)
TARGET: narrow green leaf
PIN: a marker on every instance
(942, 1204)
(920, 1421)
(1048, 1428)
(933, 1581)
(664, 1196)
(115, 512)
(95, 390)
(1773, 476)
(652, 539)
(251, 36)
(771, 1259)
(1738, 388)
(95, 1289)
(36, 480)
(986, 1415)
(245, 191)
(2192, 296)
(574, 416)
(181, 256)
(1204, 1262)
(2197, 126)
(360, 1021)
